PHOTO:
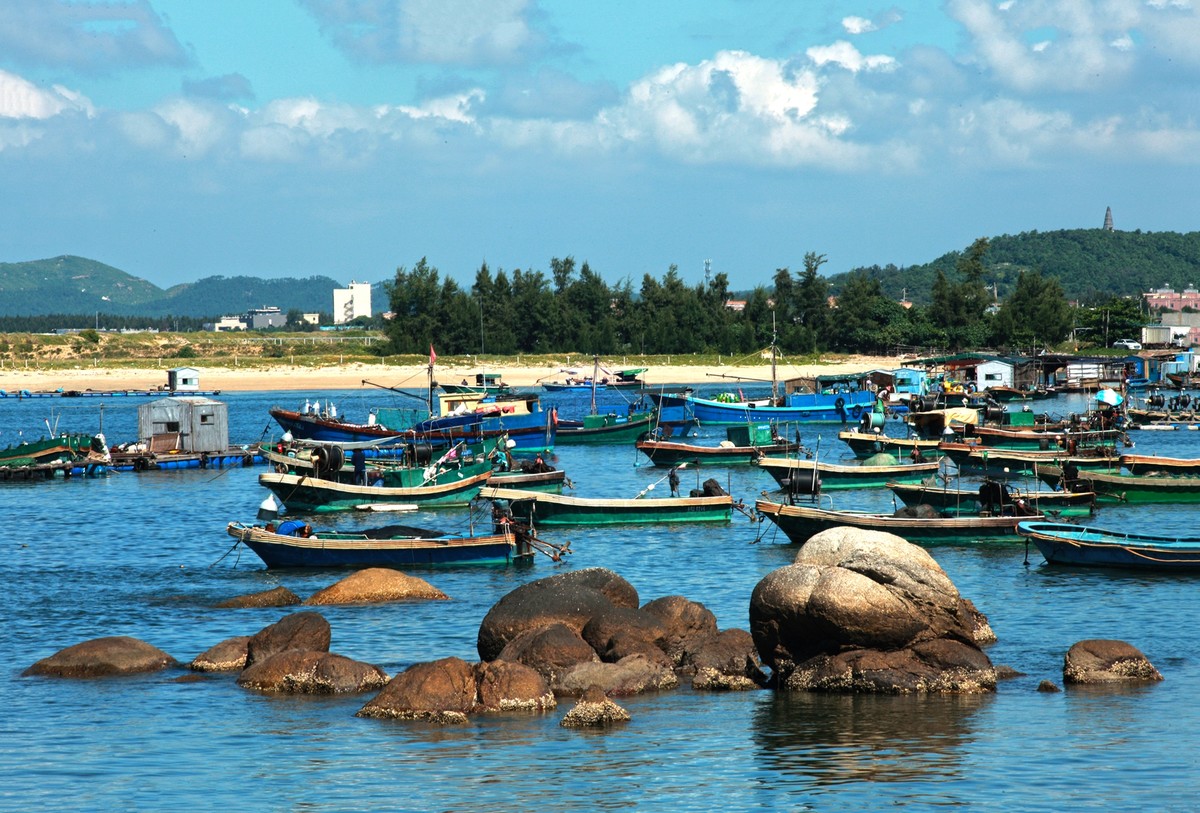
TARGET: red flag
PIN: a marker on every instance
(432, 356)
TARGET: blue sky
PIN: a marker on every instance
(179, 139)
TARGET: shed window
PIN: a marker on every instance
(991, 376)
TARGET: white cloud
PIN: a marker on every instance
(845, 55)
(21, 99)
(858, 25)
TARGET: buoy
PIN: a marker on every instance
(269, 509)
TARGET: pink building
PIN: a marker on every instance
(1167, 299)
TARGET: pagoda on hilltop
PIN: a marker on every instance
(1108, 226)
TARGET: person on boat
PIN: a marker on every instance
(673, 481)
(359, 458)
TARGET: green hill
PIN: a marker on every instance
(76, 285)
(1091, 264)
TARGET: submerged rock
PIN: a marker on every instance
(376, 585)
(1107, 661)
(594, 710)
(275, 597)
(103, 657)
(227, 656)
(305, 672)
(307, 631)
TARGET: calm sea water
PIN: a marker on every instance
(146, 555)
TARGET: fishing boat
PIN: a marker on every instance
(995, 461)
(1111, 486)
(56, 448)
(1064, 544)
(540, 510)
(869, 444)
(324, 427)
(799, 522)
(818, 475)
(1142, 465)
(1003, 394)
(485, 384)
(302, 493)
(1041, 440)
(987, 497)
(388, 546)
(742, 446)
(627, 379)
(602, 428)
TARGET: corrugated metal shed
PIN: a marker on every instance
(202, 424)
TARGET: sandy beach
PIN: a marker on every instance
(350, 376)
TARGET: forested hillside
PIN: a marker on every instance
(1090, 264)
(76, 285)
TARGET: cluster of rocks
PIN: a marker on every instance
(857, 611)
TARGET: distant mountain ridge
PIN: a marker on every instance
(77, 285)
(1090, 264)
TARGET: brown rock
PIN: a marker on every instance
(439, 691)
(275, 597)
(102, 657)
(632, 675)
(376, 585)
(594, 710)
(304, 630)
(1106, 661)
(730, 653)
(304, 672)
(571, 599)
(632, 625)
(683, 620)
(505, 686)
(550, 650)
(940, 666)
(227, 656)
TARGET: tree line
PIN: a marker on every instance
(575, 309)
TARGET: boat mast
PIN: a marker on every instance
(774, 383)
(595, 373)
(429, 400)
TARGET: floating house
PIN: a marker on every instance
(183, 379)
(186, 423)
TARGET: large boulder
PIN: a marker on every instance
(614, 629)
(867, 611)
(1106, 661)
(227, 656)
(298, 671)
(442, 691)
(684, 622)
(550, 650)
(504, 686)
(631, 675)
(275, 597)
(102, 657)
(571, 599)
(306, 630)
(376, 585)
(723, 661)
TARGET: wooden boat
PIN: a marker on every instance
(609, 428)
(549, 481)
(1006, 394)
(799, 522)
(303, 493)
(627, 379)
(1141, 465)
(46, 450)
(1063, 544)
(1043, 440)
(742, 446)
(388, 546)
(975, 500)
(1111, 486)
(789, 471)
(869, 444)
(485, 384)
(993, 461)
(540, 510)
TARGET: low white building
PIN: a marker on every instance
(351, 302)
(226, 323)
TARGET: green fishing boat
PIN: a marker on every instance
(972, 501)
(994, 461)
(305, 494)
(790, 472)
(46, 450)
(742, 446)
(868, 444)
(1114, 487)
(609, 428)
(540, 510)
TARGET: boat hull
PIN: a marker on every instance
(303, 494)
(866, 445)
(349, 550)
(800, 522)
(1093, 547)
(549, 509)
(604, 429)
(1111, 487)
(833, 476)
(967, 501)
(666, 454)
(800, 408)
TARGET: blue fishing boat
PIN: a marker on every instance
(1064, 544)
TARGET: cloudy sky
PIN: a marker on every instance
(178, 139)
